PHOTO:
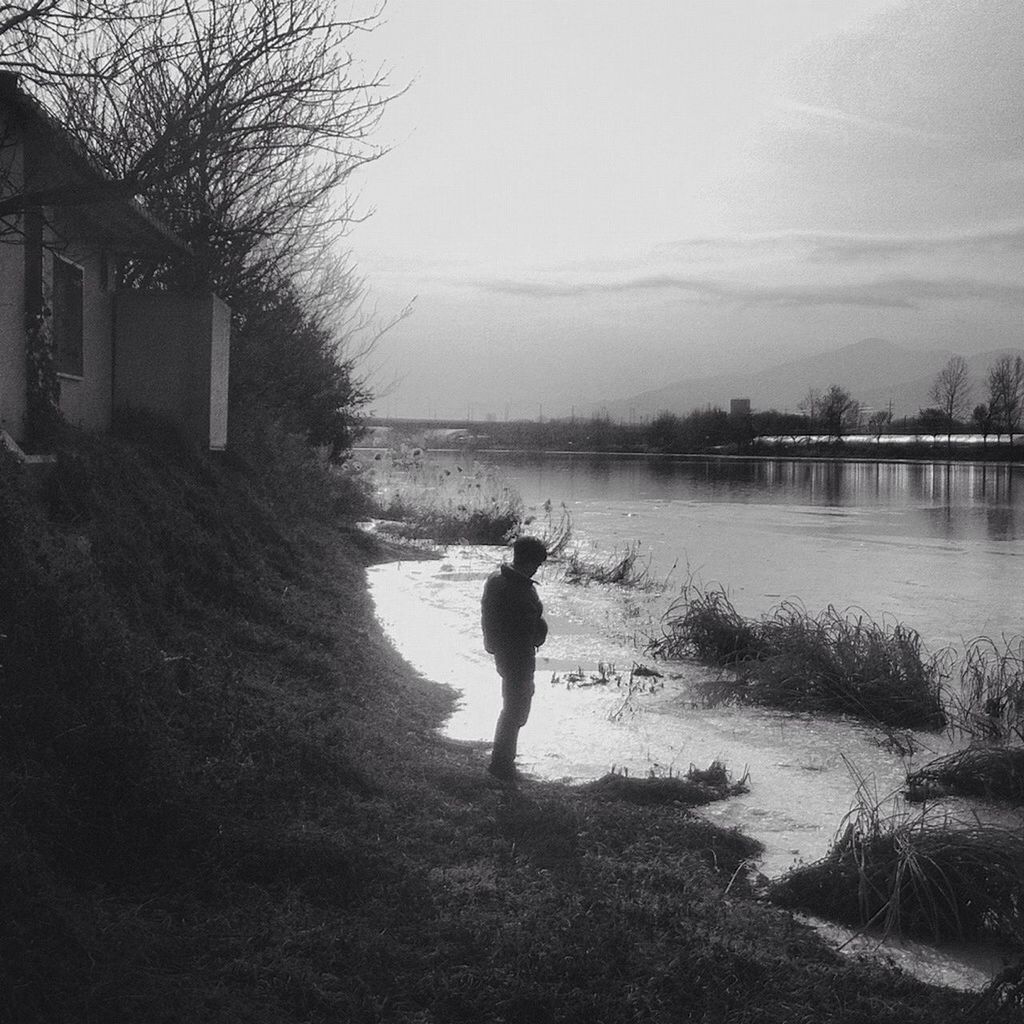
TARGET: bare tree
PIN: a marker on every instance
(981, 417)
(878, 421)
(839, 412)
(1006, 394)
(239, 121)
(810, 406)
(951, 392)
(32, 33)
(33, 52)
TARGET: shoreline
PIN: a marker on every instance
(568, 731)
(477, 453)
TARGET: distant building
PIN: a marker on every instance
(739, 408)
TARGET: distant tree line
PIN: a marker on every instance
(825, 419)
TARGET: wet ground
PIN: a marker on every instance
(804, 773)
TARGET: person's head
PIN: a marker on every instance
(529, 554)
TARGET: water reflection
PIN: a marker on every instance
(949, 501)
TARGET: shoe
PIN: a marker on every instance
(504, 772)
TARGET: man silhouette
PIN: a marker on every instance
(512, 618)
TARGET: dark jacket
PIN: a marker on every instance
(511, 614)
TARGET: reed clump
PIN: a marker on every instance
(418, 499)
(699, 786)
(830, 663)
(989, 703)
(625, 569)
(554, 529)
(918, 875)
(993, 773)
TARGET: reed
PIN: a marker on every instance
(915, 874)
(555, 530)
(419, 499)
(625, 569)
(834, 662)
(704, 624)
(699, 786)
(989, 704)
(994, 773)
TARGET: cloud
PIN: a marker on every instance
(809, 113)
(896, 292)
(850, 247)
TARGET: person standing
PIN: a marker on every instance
(512, 618)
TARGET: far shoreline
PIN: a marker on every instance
(482, 452)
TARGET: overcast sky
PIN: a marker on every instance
(591, 198)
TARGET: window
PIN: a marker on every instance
(67, 316)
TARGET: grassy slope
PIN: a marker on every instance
(224, 799)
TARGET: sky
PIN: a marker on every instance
(586, 199)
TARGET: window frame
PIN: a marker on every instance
(68, 317)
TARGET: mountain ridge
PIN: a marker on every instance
(875, 371)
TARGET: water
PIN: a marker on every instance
(938, 548)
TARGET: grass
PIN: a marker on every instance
(627, 569)
(694, 789)
(993, 773)
(422, 500)
(224, 798)
(987, 709)
(833, 662)
(990, 701)
(919, 874)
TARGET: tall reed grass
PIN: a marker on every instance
(625, 569)
(918, 874)
(554, 529)
(833, 662)
(422, 500)
(993, 773)
(989, 704)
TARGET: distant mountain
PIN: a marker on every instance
(874, 371)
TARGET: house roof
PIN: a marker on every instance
(70, 181)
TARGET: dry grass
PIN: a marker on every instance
(421, 500)
(919, 874)
(694, 789)
(834, 662)
(625, 569)
(993, 773)
(989, 704)
(554, 531)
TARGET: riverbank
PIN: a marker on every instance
(228, 799)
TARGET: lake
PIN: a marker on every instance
(939, 548)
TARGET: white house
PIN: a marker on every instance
(69, 336)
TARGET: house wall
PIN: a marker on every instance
(12, 298)
(171, 358)
(86, 398)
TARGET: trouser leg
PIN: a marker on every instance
(516, 699)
